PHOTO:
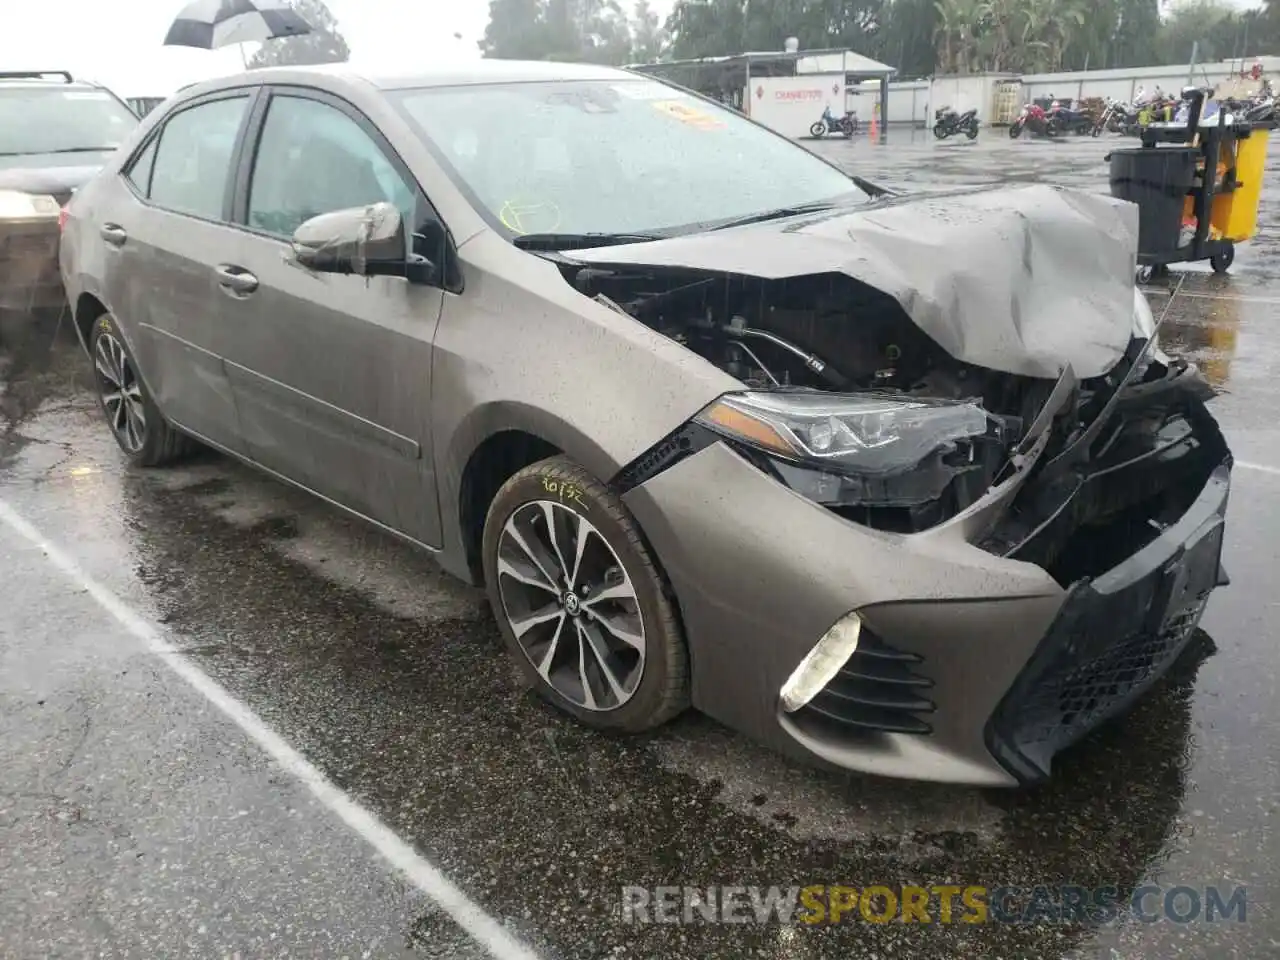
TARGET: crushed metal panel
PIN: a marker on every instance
(1021, 280)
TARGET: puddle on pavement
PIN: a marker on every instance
(422, 717)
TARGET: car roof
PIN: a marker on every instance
(477, 72)
(45, 80)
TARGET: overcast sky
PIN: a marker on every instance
(118, 42)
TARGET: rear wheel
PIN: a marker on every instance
(135, 421)
(1015, 129)
(1221, 262)
(580, 602)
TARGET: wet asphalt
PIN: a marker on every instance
(137, 821)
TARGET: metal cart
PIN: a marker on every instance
(1225, 184)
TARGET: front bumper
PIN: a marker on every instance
(1113, 638)
(975, 668)
(29, 277)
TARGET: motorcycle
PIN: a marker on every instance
(1033, 118)
(830, 123)
(948, 123)
(1113, 118)
(1067, 120)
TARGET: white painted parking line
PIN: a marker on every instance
(1236, 299)
(1193, 295)
(1260, 467)
(484, 928)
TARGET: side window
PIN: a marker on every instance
(139, 172)
(314, 159)
(193, 160)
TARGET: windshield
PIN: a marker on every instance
(54, 120)
(617, 156)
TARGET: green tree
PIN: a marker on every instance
(905, 39)
(517, 30)
(1212, 26)
(595, 31)
(324, 44)
(648, 38)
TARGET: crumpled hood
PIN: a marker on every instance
(55, 179)
(1023, 280)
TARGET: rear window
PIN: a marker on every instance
(57, 120)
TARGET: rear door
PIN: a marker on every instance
(164, 226)
(332, 374)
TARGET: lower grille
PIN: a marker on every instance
(876, 690)
(1077, 695)
(1112, 639)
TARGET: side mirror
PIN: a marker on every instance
(365, 241)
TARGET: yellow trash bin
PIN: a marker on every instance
(1235, 214)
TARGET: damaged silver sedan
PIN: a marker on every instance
(898, 484)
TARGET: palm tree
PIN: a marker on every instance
(957, 35)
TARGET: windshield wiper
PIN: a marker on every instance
(777, 214)
(578, 241)
(874, 190)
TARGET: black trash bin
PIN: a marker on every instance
(1157, 179)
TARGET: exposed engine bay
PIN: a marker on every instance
(834, 336)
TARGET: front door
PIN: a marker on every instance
(331, 374)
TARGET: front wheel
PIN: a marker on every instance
(819, 129)
(1221, 262)
(940, 131)
(1015, 129)
(580, 601)
(971, 131)
(139, 428)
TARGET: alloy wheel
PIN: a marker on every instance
(121, 393)
(571, 605)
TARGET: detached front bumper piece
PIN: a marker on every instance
(1114, 636)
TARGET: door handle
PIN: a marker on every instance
(235, 279)
(114, 234)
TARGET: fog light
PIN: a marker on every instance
(822, 663)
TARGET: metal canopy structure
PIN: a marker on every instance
(727, 78)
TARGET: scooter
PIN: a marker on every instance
(1033, 118)
(948, 123)
(830, 123)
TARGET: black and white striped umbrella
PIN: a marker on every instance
(208, 24)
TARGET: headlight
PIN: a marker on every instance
(16, 205)
(843, 449)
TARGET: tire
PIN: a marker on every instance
(818, 129)
(147, 440)
(940, 131)
(971, 131)
(1015, 129)
(559, 487)
(1221, 262)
